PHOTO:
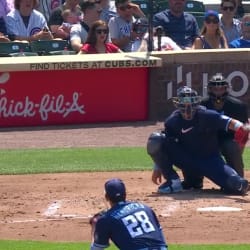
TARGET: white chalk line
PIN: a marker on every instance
(50, 214)
(52, 208)
(54, 218)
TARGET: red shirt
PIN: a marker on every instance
(89, 49)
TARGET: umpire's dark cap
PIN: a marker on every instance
(115, 189)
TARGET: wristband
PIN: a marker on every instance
(237, 125)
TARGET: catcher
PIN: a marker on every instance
(190, 142)
(231, 147)
(130, 225)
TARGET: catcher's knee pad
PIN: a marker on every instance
(155, 142)
(155, 148)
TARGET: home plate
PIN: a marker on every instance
(219, 209)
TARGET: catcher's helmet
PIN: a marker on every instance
(187, 101)
(218, 87)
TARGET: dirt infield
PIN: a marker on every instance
(56, 207)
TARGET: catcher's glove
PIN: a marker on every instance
(241, 135)
(95, 217)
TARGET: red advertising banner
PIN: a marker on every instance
(30, 98)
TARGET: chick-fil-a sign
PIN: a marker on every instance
(44, 107)
(32, 98)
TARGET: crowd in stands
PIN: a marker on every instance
(123, 25)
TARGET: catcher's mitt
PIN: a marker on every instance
(241, 135)
(95, 217)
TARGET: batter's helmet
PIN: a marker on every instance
(187, 101)
(218, 87)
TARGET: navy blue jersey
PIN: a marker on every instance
(232, 107)
(183, 30)
(131, 226)
(199, 135)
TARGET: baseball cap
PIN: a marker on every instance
(211, 13)
(115, 189)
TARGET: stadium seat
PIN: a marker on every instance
(14, 48)
(43, 47)
(191, 6)
(157, 5)
(199, 18)
(194, 6)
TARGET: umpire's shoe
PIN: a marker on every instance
(172, 186)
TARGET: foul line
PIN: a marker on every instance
(54, 218)
(51, 215)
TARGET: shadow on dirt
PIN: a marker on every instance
(203, 194)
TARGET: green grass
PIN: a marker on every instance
(36, 245)
(78, 160)
(73, 160)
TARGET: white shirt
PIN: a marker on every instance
(15, 25)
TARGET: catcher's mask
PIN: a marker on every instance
(187, 101)
(218, 88)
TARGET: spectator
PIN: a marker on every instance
(27, 24)
(5, 7)
(3, 32)
(140, 27)
(56, 18)
(78, 34)
(160, 41)
(244, 40)
(97, 40)
(212, 36)
(180, 26)
(69, 18)
(108, 10)
(219, 99)
(230, 25)
(130, 225)
(121, 27)
(47, 6)
(190, 142)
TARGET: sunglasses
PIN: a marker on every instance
(100, 31)
(126, 7)
(212, 20)
(231, 8)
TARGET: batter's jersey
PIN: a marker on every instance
(233, 108)
(199, 135)
(15, 24)
(131, 226)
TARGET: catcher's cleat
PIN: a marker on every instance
(168, 187)
(243, 189)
